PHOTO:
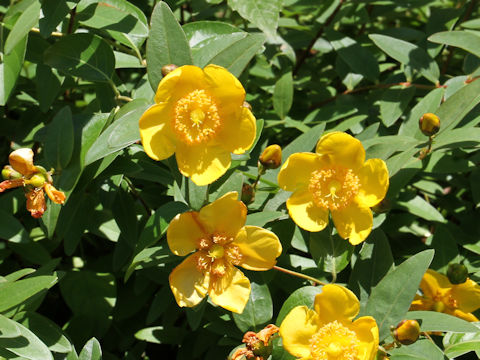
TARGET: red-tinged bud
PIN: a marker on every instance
(248, 194)
(271, 157)
(407, 332)
(429, 124)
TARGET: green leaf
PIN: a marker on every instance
(23, 25)
(166, 44)
(263, 217)
(46, 330)
(258, 311)
(394, 102)
(84, 55)
(373, 262)
(10, 66)
(232, 51)
(330, 252)
(262, 14)
(199, 31)
(91, 351)
(120, 134)
(358, 58)
(161, 335)
(9, 328)
(304, 296)
(418, 206)
(437, 321)
(421, 350)
(150, 257)
(462, 39)
(456, 138)
(457, 106)
(114, 15)
(14, 293)
(459, 344)
(446, 248)
(26, 345)
(54, 12)
(283, 95)
(408, 54)
(59, 139)
(11, 229)
(48, 83)
(391, 297)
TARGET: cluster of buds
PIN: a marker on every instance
(33, 178)
(258, 346)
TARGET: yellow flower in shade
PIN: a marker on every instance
(439, 294)
(35, 179)
(335, 179)
(221, 241)
(199, 116)
(327, 332)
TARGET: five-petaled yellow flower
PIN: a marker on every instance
(327, 332)
(337, 179)
(199, 116)
(221, 241)
(442, 296)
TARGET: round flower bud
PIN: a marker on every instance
(168, 69)
(407, 332)
(9, 174)
(262, 350)
(457, 273)
(37, 180)
(429, 124)
(271, 157)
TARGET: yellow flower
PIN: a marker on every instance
(221, 241)
(337, 179)
(327, 332)
(199, 116)
(439, 294)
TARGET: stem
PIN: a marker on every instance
(137, 195)
(71, 22)
(300, 275)
(261, 171)
(123, 98)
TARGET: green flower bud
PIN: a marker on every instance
(457, 273)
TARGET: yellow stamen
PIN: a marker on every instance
(196, 118)
(334, 188)
(334, 341)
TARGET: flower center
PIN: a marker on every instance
(196, 119)
(334, 341)
(216, 252)
(443, 301)
(333, 188)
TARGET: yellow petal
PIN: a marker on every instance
(432, 282)
(421, 303)
(203, 164)
(297, 330)
(226, 89)
(238, 132)
(339, 148)
(156, 132)
(353, 223)
(225, 215)
(305, 213)
(467, 295)
(57, 196)
(231, 291)
(179, 83)
(188, 284)
(463, 315)
(374, 181)
(336, 302)
(184, 232)
(21, 160)
(296, 171)
(367, 333)
(259, 247)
